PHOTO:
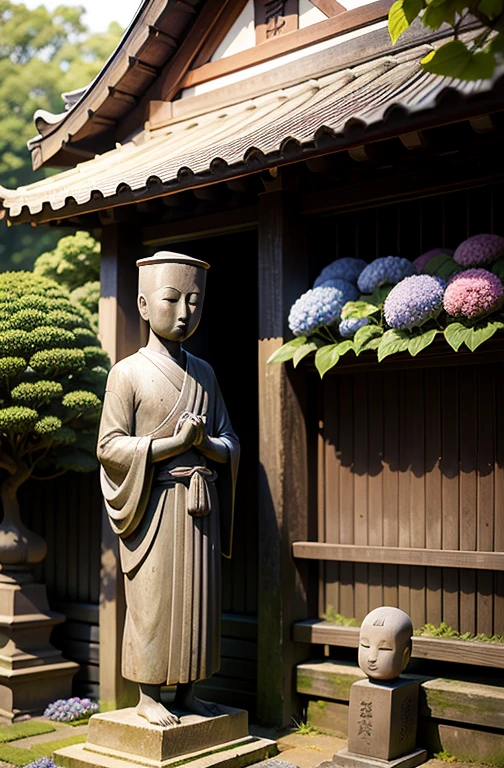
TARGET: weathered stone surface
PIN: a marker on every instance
(126, 731)
(235, 755)
(466, 743)
(382, 720)
(329, 717)
(346, 759)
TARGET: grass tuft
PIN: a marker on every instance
(18, 756)
(23, 730)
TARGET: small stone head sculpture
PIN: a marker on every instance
(385, 643)
(170, 294)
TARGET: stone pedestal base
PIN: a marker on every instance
(346, 759)
(382, 718)
(32, 672)
(115, 737)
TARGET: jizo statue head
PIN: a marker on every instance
(385, 643)
(171, 289)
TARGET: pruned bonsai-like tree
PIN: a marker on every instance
(52, 378)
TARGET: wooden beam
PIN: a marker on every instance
(465, 174)
(458, 651)
(329, 7)
(294, 41)
(283, 460)
(218, 34)
(238, 220)
(445, 558)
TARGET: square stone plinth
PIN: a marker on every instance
(346, 759)
(203, 742)
(382, 718)
(126, 731)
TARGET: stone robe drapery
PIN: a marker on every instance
(171, 559)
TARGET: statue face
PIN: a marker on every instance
(171, 299)
(383, 653)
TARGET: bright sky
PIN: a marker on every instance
(99, 13)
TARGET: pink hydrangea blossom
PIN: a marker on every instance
(478, 250)
(422, 260)
(472, 293)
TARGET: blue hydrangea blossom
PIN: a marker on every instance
(316, 307)
(42, 762)
(413, 301)
(348, 290)
(351, 325)
(66, 710)
(347, 268)
(386, 269)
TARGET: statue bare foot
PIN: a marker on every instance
(185, 699)
(151, 708)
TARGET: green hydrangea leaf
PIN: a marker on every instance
(327, 356)
(286, 351)
(477, 336)
(454, 59)
(401, 14)
(379, 295)
(417, 343)
(442, 11)
(391, 342)
(456, 334)
(358, 309)
(304, 350)
(364, 335)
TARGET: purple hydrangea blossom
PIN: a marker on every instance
(42, 762)
(413, 301)
(318, 306)
(424, 259)
(478, 250)
(66, 710)
(472, 293)
(348, 268)
(386, 269)
(348, 290)
(351, 325)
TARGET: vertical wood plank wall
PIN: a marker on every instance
(413, 458)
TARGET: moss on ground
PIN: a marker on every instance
(23, 730)
(19, 756)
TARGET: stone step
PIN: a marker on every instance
(230, 755)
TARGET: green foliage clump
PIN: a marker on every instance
(46, 404)
(446, 632)
(75, 264)
(336, 618)
(468, 60)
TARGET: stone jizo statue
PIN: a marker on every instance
(169, 458)
(385, 643)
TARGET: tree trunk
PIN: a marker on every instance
(18, 545)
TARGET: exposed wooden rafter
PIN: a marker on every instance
(329, 7)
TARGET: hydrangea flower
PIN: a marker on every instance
(318, 306)
(351, 325)
(422, 260)
(479, 249)
(348, 268)
(472, 293)
(413, 301)
(348, 290)
(386, 269)
(42, 762)
(75, 708)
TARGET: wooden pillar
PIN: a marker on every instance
(120, 336)
(283, 481)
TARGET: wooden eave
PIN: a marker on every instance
(164, 35)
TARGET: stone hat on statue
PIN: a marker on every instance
(170, 257)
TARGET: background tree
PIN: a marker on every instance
(52, 379)
(472, 59)
(42, 54)
(75, 264)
